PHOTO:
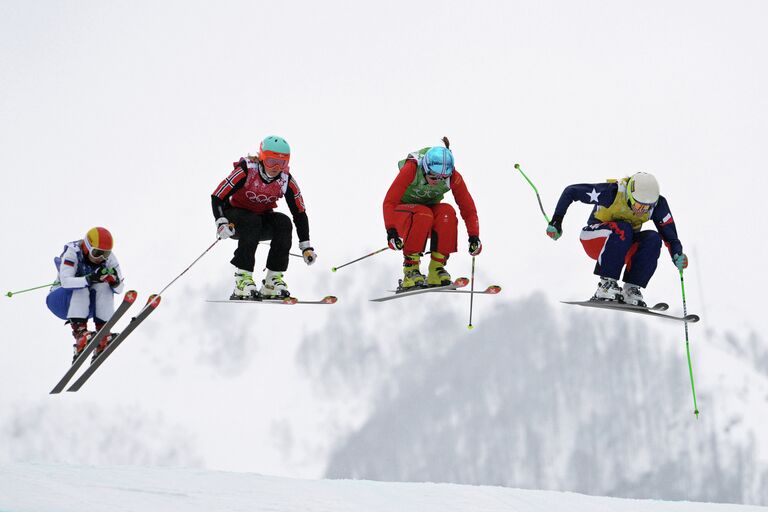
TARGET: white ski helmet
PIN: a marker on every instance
(643, 188)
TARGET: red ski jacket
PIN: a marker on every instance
(458, 187)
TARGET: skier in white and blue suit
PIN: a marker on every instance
(613, 236)
(89, 277)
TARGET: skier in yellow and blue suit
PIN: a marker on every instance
(613, 234)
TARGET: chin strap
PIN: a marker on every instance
(264, 176)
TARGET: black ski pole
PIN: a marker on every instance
(471, 294)
(334, 269)
(189, 267)
(290, 253)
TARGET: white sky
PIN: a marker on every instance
(127, 115)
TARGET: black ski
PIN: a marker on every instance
(128, 300)
(152, 303)
(652, 311)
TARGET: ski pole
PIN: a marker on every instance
(471, 294)
(517, 166)
(11, 294)
(290, 253)
(688, 348)
(232, 225)
(334, 269)
(189, 267)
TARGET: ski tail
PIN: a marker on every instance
(128, 299)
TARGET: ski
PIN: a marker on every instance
(491, 290)
(458, 283)
(152, 303)
(328, 299)
(128, 299)
(651, 311)
(287, 301)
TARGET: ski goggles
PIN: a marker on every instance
(274, 161)
(639, 208)
(100, 253)
(438, 177)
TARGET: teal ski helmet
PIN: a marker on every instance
(438, 161)
(274, 144)
(274, 154)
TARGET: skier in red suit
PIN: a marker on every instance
(413, 212)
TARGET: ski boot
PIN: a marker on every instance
(608, 290)
(245, 288)
(105, 341)
(631, 295)
(412, 276)
(437, 275)
(82, 336)
(273, 286)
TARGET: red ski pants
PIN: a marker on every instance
(417, 222)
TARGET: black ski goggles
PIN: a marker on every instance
(100, 253)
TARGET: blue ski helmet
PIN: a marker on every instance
(438, 161)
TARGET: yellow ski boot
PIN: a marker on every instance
(412, 276)
(437, 275)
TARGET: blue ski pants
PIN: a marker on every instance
(615, 246)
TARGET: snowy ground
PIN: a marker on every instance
(45, 488)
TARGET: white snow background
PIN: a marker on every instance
(128, 116)
(37, 488)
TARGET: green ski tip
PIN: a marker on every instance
(333, 269)
(9, 294)
(470, 327)
(517, 166)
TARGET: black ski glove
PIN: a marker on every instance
(475, 246)
(393, 240)
(103, 275)
(94, 277)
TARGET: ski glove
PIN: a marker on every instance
(109, 276)
(681, 261)
(475, 246)
(223, 228)
(393, 240)
(103, 275)
(307, 252)
(555, 229)
(94, 277)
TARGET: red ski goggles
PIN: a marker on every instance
(275, 161)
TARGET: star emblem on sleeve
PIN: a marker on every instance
(593, 195)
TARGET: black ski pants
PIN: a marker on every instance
(252, 228)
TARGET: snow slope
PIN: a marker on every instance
(544, 396)
(44, 488)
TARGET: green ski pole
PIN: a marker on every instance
(688, 348)
(517, 166)
(11, 294)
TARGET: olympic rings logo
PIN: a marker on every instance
(424, 193)
(260, 198)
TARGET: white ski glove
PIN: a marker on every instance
(307, 252)
(223, 229)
